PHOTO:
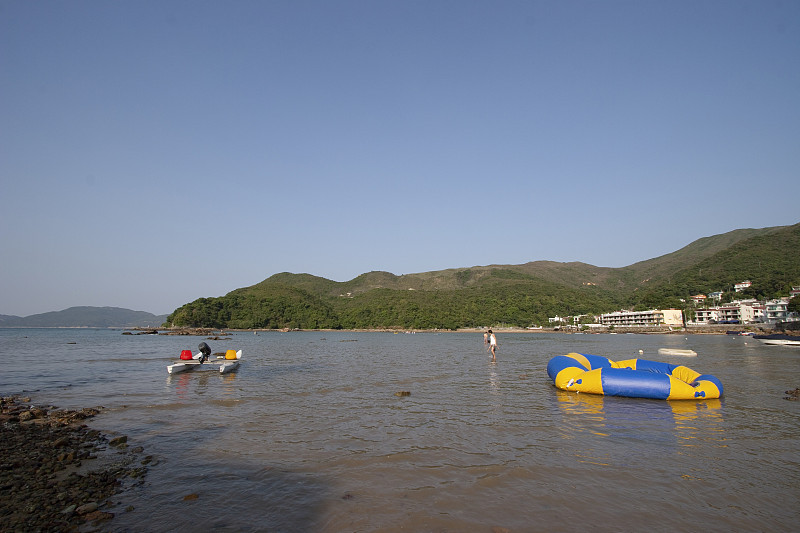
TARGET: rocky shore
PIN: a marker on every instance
(57, 474)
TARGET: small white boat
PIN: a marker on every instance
(223, 364)
(779, 339)
(677, 351)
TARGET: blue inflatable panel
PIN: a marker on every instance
(596, 361)
(634, 384)
(559, 363)
(655, 366)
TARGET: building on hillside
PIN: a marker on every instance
(654, 317)
(739, 287)
(699, 299)
(715, 295)
(794, 292)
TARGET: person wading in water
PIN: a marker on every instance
(492, 345)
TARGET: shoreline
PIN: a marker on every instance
(719, 329)
(56, 473)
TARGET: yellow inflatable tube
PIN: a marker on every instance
(633, 378)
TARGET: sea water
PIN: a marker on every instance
(314, 432)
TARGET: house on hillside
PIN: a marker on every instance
(739, 287)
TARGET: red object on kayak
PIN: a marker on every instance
(186, 355)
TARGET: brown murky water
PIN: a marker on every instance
(311, 434)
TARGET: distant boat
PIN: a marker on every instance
(677, 351)
(779, 339)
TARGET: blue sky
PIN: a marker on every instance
(156, 152)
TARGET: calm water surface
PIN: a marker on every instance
(309, 434)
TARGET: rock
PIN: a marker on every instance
(118, 441)
(191, 497)
(39, 478)
(70, 509)
(97, 516)
(87, 508)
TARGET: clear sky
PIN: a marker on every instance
(156, 152)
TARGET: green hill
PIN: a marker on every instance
(768, 258)
(514, 295)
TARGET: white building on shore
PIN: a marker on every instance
(654, 317)
(738, 311)
(777, 310)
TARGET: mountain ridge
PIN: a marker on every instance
(86, 317)
(538, 288)
(504, 294)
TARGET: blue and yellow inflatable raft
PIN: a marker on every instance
(633, 378)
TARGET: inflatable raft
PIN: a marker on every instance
(633, 378)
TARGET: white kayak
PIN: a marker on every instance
(224, 365)
(677, 351)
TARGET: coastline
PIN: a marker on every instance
(717, 329)
(56, 473)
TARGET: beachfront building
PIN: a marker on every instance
(706, 316)
(776, 310)
(575, 321)
(654, 317)
(739, 311)
(759, 311)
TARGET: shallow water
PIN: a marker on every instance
(309, 434)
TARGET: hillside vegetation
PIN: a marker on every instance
(512, 295)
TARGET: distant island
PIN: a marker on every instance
(85, 317)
